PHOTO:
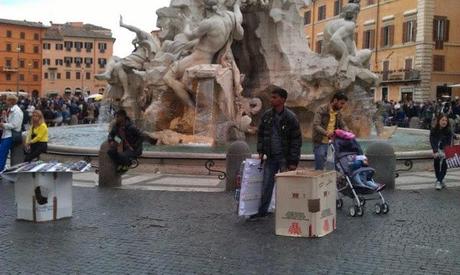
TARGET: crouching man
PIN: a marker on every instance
(125, 141)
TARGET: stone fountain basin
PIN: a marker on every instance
(66, 144)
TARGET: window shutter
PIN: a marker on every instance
(371, 39)
(435, 29)
(364, 46)
(446, 30)
(404, 37)
(441, 61)
(382, 37)
(391, 34)
(414, 31)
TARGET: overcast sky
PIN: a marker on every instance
(104, 13)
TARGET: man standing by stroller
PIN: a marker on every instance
(279, 139)
(326, 120)
(125, 141)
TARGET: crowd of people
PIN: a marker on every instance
(58, 110)
(401, 113)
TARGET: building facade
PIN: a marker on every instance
(20, 55)
(415, 52)
(72, 54)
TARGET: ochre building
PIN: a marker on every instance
(20, 55)
(415, 43)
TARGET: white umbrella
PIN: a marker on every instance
(454, 86)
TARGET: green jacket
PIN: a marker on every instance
(320, 121)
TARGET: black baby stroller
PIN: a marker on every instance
(345, 152)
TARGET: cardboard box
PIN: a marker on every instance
(305, 203)
(55, 186)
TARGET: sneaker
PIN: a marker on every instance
(437, 185)
(443, 184)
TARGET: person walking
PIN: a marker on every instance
(279, 139)
(326, 120)
(12, 123)
(37, 137)
(441, 135)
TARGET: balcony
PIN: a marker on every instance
(8, 69)
(400, 76)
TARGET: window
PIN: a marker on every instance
(337, 7)
(35, 77)
(88, 46)
(46, 46)
(68, 61)
(368, 39)
(78, 46)
(385, 93)
(36, 49)
(88, 62)
(88, 75)
(8, 63)
(8, 47)
(21, 77)
(77, 61)
(22, 48)
(370, 2)
(36, 65)
(8, 33)
(52, 75)
(22, 63)
(58, 75)
(409, 31)
(102, 62)
(36, 36)
(440, 31)
(77, 75)
(68, 45)
(319, 45)
(46, 61)
(438, 63)
(102, 47)
(22, 35)
(387, 36)
(8, 77)
(58, 62)
(307, 18)
(67, 75)
(322, 12)
(59, 47)
(407, 68)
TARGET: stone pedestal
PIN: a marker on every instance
(382, 158)
(108, 176)
(237, 153)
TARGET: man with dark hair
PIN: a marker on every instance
(327, 119)
(279, 139)
(125, 141)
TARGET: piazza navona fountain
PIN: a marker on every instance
(206, 76)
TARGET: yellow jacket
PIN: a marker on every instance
(41, 134)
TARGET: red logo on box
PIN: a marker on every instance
(294, 229)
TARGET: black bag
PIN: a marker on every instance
(16, 137)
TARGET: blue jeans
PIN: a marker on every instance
(320, 152)
(5, 146)
(271, 167)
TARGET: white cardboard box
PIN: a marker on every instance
(56, 186)
(305, 203)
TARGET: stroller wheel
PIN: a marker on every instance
(363, 201)
(339, 203)
(359, 211)
(385, 208)
(378, 208)
(352, 211)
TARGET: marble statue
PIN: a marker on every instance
(339, 39)
(217, 30)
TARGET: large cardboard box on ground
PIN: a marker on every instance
(305, 203)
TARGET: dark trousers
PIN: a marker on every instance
(35, 150)
(440, 169)
(121, 158)
(271, 167)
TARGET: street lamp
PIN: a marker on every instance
(18, 49)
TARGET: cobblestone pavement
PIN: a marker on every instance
(119, 231)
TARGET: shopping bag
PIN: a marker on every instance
(251, 187)
(452, 156)
(330, 159)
